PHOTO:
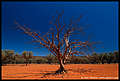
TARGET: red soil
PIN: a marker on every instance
(46, 71)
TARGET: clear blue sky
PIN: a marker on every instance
(103, 17)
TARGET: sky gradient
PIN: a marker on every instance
(102, 16)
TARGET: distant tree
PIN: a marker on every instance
(116, 56)
(110, 57)
(27, 56)
(85, 60)
(95, 58)
(75, 60)
(9, 56)
(42, 60)
(30, 56)
(3, 57)
(91, 59)
(16, 58)
(51, 59)
(105, 58)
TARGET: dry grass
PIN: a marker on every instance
(46, 71)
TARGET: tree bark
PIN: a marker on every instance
(64, 61)
(61, 64)
(61, 68)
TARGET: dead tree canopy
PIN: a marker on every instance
(58, 40)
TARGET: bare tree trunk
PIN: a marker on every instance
(61, 65)
(61, 69)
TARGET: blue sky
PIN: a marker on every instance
(102, 16)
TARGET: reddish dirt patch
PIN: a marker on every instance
(46, 71)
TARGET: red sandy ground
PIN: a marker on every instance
(46, 71)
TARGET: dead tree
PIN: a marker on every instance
(58, 40)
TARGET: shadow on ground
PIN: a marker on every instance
(45, 74)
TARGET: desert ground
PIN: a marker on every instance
(46, 71)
